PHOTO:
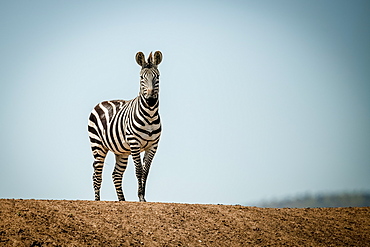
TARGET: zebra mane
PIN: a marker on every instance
(149, 64)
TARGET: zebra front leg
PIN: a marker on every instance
(139, 172)
(148, 157)
(119, 169)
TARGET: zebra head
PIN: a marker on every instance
(149, 76)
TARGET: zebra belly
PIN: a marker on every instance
(114, 139)
(146, 141)
(120, 144)
(147, 144)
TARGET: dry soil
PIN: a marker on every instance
(90, 223)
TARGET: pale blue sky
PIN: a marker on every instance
(259, 99)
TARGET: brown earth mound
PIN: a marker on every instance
(81, 223)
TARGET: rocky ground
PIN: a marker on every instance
(83, 223)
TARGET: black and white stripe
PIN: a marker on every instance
(128, 127)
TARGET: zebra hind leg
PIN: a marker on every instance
(99, 156)
(97, 177)
(119, 169)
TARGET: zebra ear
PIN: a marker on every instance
(140, 59)
(157, 58)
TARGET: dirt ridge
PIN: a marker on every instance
(107, 223)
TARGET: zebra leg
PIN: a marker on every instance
(98, 170)
(148, 157)
(119, 169)
(139, 172)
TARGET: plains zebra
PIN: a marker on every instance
(128, 127)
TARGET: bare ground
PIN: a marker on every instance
(83, 223)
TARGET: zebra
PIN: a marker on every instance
(128, 128)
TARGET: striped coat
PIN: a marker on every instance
(128, 128)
